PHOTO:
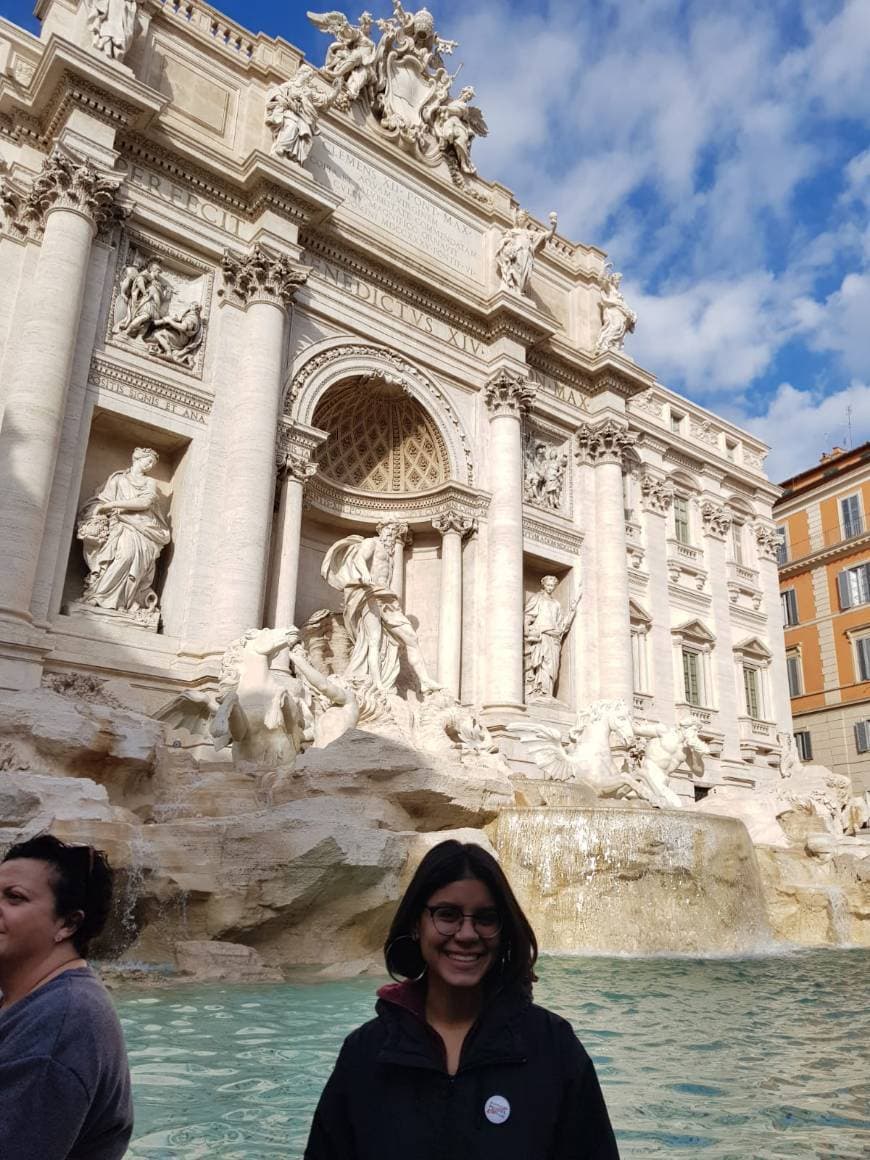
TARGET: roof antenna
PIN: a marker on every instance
(849, 422)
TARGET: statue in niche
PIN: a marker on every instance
(267, 715)
(292, 110)
(455, 124)
(362, 569)
(617, 319)
(142, 314)
(668, 747)
(543, 474)
(123, 531)
(113, 26)
(515, 255)
(350, 59)
(545, 626)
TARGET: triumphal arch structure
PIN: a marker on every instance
(255, 306)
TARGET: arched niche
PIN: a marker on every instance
(367, 368)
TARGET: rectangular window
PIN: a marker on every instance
(862, 736)
(850, 514)
(862, 656)
(781, 547)
(804, 743)
(677, 422)
(788, 599)
(681, 519)
(638, 661)
(737, 542)
(691, 677)
(854, 586)
(795, 675)
(750, 685)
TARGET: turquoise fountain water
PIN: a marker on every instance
(726, 1059)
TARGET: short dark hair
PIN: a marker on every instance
(81, 880)
(452, 861)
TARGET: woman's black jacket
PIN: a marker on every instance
(390, 1097)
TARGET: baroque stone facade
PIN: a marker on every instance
(292, 285)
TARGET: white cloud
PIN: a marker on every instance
(801, 425)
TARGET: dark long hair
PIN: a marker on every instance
(448, 862)
(80, 879)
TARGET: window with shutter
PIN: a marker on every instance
(795, 676)
(781, 547)
(691, 680)
(862, 652)
(789, 606)
(804, 743)
(853, 585)
(861, 736)
(850, 513)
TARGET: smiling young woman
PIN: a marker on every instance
(64, 1079)
(459, 1061)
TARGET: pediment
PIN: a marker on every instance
(695, 630)
(753, 646)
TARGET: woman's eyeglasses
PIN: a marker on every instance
(449, 920)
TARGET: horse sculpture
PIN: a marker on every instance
(586, 755)
(268, 715)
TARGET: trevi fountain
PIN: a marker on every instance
(337, 519)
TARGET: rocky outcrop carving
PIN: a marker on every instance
(617, 319)
(292, 111)
(149, 313)
(545, 626)
(515, 254)
(123, 531)
(362, 569)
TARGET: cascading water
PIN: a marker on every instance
(642, 881)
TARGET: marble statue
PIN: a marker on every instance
(856, 814)
(515, 255)
(586, 757)
(545, 626)
(123, 531)
(292, 110)
(143, 296)
(455, 124)
(668, 747)
(442, 725)
(266, 713)
(789, 759)
(544, 471)
(362, 568)
(617, 319)
(177, 337)
(350, 59)
(113, 26)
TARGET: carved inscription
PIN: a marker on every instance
(153, 393)
(180, 198)
(558, 389)
(389, 304)
(397, 209)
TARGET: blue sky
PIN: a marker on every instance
(720, 155)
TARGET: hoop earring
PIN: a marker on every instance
(407, 979)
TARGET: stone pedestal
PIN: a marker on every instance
(507, 397)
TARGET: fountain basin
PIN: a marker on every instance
(634, 881)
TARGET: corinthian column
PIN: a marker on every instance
(68, 201)
(508, 396)
(603, 446)
(453, 526)
(294, 468)
(262, 284)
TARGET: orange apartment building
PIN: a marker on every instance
(823, 520)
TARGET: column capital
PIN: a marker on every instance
(508, 393)
(768, 541)
(454, 521)
(260, 276)
(715, 519)
(294, 463)
(657, 494)
(64, 182)
(605, 442)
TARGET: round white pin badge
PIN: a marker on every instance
(496, 1109)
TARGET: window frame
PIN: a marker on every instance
(851, 526)
(790, 616)
(687, 652)
(803, 742)
(861, 733)
(794, 663)
(844, 586)
(682, 501)
(753, 692)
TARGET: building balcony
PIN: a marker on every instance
(756, 734)
(686, 565)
